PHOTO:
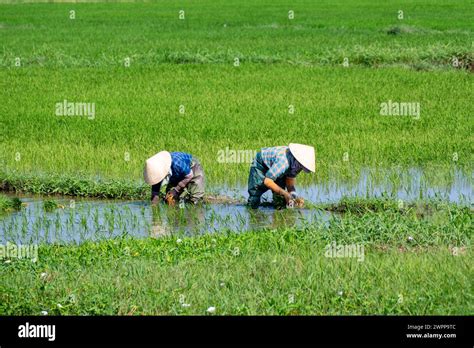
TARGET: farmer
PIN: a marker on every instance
(180, 172)
(276, 168)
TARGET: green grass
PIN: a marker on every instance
(322, 33)
(283, 62)
(149, 276)
(72, 185)
(337, 111)
(8, 204)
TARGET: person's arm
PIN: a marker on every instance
(272, 185)
(290, 185)
(184, 182)
(155, 192)
(173, 194)
(275, 171)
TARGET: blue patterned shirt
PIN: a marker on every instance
(181, 172)
(280, 162)
(180, 166)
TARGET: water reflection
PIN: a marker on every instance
(406, 184)
(94, 220)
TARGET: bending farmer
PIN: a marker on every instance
(276, 168)
(180, 172)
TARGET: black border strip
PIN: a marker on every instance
(209, 330)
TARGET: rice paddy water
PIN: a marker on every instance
(76, 221)
(95, 220)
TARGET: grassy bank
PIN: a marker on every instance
(8, 204)
(148, 277)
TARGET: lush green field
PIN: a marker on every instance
(322, 32)
(417, 261)
(245, 108)
(337, 109)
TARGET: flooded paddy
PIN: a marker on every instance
(77, 220)
(405, 184)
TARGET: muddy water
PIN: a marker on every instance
(81, 220)
(94, 220)
(411, 186)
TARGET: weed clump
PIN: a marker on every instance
(50, 205)
(9, 204)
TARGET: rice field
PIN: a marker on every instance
(138, 112)
(209, 32)
(381, 90)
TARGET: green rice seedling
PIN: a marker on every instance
(389, 140)
(8, 204)
(4, 203)
(50, 205)
(255, 38)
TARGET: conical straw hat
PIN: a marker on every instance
(157, 167)
(305, 155)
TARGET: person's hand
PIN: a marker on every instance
(299, 202)
(155, 200)
(287, 196)
(171, 197)
(170, 200)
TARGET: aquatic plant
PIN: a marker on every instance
(8, 204)
(50, 205)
